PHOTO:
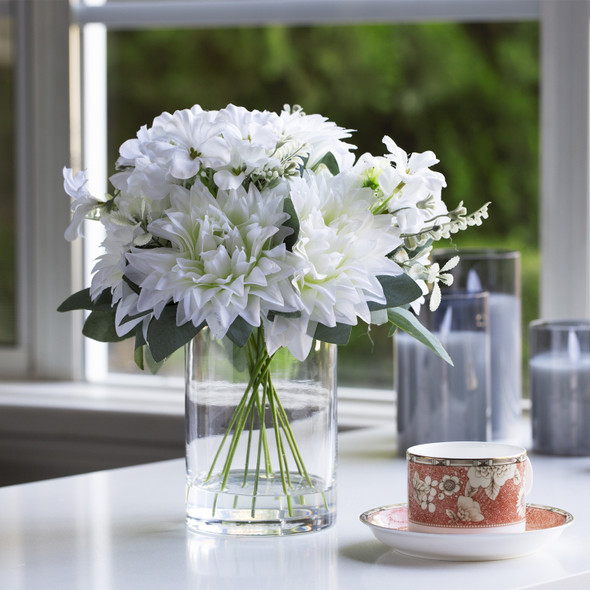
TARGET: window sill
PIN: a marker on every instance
(52, 429)
(356, 406)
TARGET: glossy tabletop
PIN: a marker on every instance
(124, 529)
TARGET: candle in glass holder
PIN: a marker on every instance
(506, 355)
(559, 368)
(497, 271)
(438, 401)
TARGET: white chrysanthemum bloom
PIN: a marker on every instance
(318, 135)
(253, 134)
(174, 148)
(127, 315)
(83, 205)
(197, 142)
(142, 171)
(223, 262)
(342, 248)
(417, 199)
(125, 226)
(146, 178)
(252, 138)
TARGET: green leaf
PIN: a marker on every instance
(138, 357)
(100, 325)
(405, 320)
(153, 365)
(284, 314)
(329, 161)
(82, 300)
(399, 290)
(139, 348)
(135, 316)
(418, 250)
(292, 222)
(164, 336)
(339, 334)
(135, 288)
(143, 358)
(239, 331)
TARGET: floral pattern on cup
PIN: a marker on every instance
(468, 510)
(424, 492)
(490, 478)
(449, 486)
(479, 495)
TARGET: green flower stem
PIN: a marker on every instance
(292, 443)
(252, 386)
(237, 412)
(281, 416)
(260, 395)
(250, 434)
(282, 457)
(244, 417)
(381, 207)
(258, 461)
(235, 440)
(295, 448)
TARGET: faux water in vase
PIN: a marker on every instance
(260, 437)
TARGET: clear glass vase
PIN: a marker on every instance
(260, 437)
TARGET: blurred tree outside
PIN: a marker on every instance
(470, 93)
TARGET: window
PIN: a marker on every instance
(51, 344)
(44, 345)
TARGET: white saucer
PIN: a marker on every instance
(390, 525)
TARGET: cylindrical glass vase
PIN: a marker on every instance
(497, 271)
(260, 437)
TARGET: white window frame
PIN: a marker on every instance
(50, 344)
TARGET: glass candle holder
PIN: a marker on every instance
(437, 401)
(498, 272)
(559, 369)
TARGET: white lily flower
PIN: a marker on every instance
(84, 205)
(416, 202)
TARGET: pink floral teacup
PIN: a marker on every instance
(467, 487)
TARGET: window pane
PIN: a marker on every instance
(8, 335)
(467, 92)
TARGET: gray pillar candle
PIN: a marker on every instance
(437, 401)
(506, 359)
(559, 368)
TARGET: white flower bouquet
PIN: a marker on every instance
(238, 220)
(266, 229)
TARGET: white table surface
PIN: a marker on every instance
(124, 529)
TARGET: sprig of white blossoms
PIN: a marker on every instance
(238, 216)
